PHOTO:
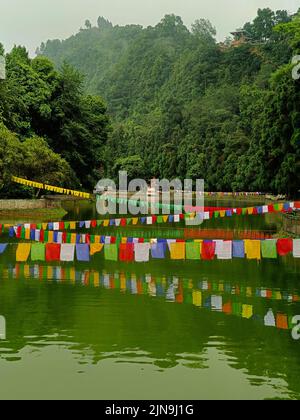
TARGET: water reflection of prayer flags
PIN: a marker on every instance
(3, 248)
(67, 252)
(23, 252)
(269, 319)
(227, 308)
(83, 252)
(52, 252)
(216, 303)
(296, 248)
(208, 250)
(282, 322)
(141, 252)
(197, 298)
(247, 311)
(237, 308)
(269, 248)
(38, 252)
(284, 246)
(178, 251)
(193, 250)
(253, 249)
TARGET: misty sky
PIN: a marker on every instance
(29, 22)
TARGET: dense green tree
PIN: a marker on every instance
(133, 165)
(31, 159)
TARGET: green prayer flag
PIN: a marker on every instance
(269, 249)
(192, 250)
(23, 233)
(46, 236)
(38, 252)
(111, 252)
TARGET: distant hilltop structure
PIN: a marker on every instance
(240, 36)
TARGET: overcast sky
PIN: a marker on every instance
(29, 22)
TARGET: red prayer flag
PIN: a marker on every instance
(208, 250)
(126, 252)
(284, 246)
(52, 252)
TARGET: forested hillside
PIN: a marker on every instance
(184, 105)
(179, 103)
(50, 130)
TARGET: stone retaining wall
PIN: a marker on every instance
(6, 205)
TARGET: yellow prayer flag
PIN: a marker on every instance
(45, 226)
(23, 252)
(106, 223)
(27, 234)
(222, 213)
(50, 237)
(72, 225)
(73, 238)
(165, 218)
(253, 249)
(250, 210)
(178, 251)
(95, 248)
(135, 221)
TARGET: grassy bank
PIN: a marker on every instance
(37, 215)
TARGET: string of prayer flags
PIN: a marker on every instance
(128, 249)
(24, 231)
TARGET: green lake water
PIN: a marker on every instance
(163, 330)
